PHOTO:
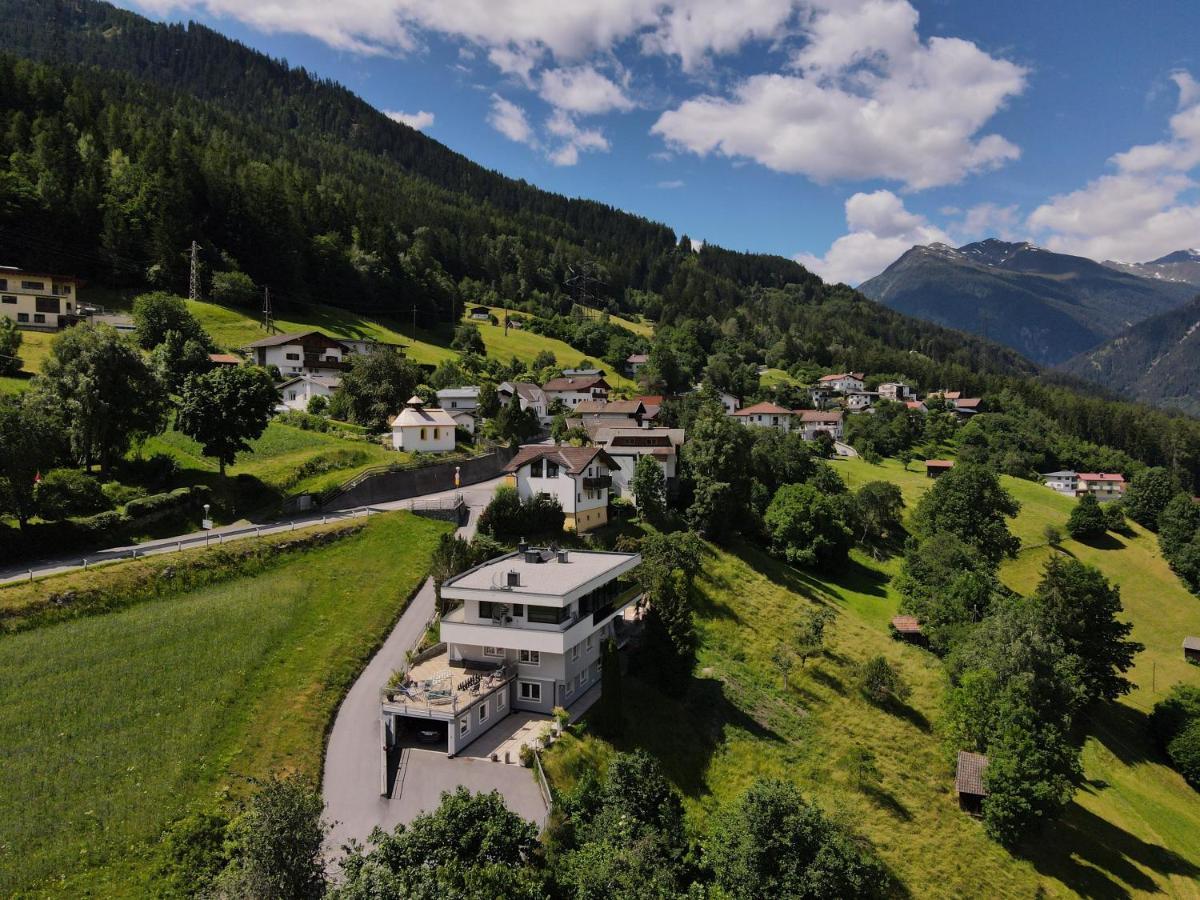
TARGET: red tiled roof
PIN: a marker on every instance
(968, 779)
(939, 463)
(1101, 476)
(227, 359)
(610, 407)
(906, 624)
(637, 358)
(968, 403)
(765, 408)
(840, 375)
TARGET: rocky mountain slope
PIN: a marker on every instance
(1182, 265)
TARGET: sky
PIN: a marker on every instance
(835, 132)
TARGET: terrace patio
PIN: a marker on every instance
(435, 690)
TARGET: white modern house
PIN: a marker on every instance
(300, 353)
(572, 390)
(421, 430)
(731, 403)
(1064, 481)
(37, 301)
(298, 390)
(528, 395)
(857, 401)
(578, 477)
(766, 415)
(843, 382)
(463, 405)
(628, 445)
(524, 632)
(896, 391)
(814, 421)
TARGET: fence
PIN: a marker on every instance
(543, 785)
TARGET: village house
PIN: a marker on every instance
(917, 406)
(224, 360)
(421, 430)
(481, 314)
(731, 403)
(814, 421)
(896, 391)
(1064, 481)
(1191, 649)
(462, 403)
(579, 478)
(365, 345)
(1102, 485)
(590, 372)
(969, 781)
(765, 415)
(524, 632)
(298, 390)
(634, 363)
(652, 403)
(857, 401)
(612, 412)
(965, 407)
(573, 390)
(37, 301)
(300, 353)
(843, 382)
(628, 445)
(528, 396)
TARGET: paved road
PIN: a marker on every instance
(474, 495)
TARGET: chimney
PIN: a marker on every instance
(522, 546)
(514, 579)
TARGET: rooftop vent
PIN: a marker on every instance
(514, 579)
(533, 556)
(562, 556)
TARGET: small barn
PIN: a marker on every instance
(968, 781)
(1191, 649)
(907, 628)
(935, 468)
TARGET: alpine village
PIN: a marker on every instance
(375, 523)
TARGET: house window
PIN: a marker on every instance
(531, 657)
(490, 610)
(291, 395)
(422, 434)
(464, 726)
(33, 285)
(531, 691)
(482, 715)
(551, 469)
(435, 434)
(22, 317)
(547, 615)
(497, 652)
(535, 469)
(568, 689)
(3, 284)
(589, 643)
(292, 356)
(9, 298)
(63, 290)
(39, 318)
(501, 701)
(575, 653)
(518, 609)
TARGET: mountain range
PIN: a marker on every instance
(1182, 265)
(1049, 306)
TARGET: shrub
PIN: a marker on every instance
(119, 494)
(1184, 751)
(526, 755)
(1173, 713)
(317, 405)
(880, 681)
(69, 492)
(510, 517)
(1087, 519)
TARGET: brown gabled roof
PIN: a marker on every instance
(276, 340)
(967, 403)
(573, 459)
(819, 415)
(610, 408)
(637, 358)
(858, 376)
(906, 624)
(765, 408)
(939, 463)
(575, 384)
(225, 359)
(968, 779)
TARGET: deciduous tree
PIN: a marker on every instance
(225, 409)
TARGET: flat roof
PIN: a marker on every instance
(542, 578)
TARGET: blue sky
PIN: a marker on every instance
(839, 132)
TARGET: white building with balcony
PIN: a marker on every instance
(524, 632)
(300, 353)
(36, 301)
(579, 478)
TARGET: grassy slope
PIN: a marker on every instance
(35, 347)
(1132, 830)
(111, 726)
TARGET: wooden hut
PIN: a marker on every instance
(907, 628)
(934, 468)
(1191, 649)
(968, 781)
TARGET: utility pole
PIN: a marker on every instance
(414, 323)
(268, 318)
(506, 317)
(194, 274)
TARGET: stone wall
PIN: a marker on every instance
(407, 483)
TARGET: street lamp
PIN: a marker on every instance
(206, 524)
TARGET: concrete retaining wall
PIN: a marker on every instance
(406, 483)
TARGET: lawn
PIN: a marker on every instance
(1132, 830)
(35, 347)
(112, 726)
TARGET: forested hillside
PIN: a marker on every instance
(123, 140)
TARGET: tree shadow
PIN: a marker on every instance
(830, 681)
(887, 801)
(1093, 856)
(1124, 732)
(1103, 541)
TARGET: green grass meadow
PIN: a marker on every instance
(1133, 829)
(112, 726)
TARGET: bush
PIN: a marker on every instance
(1087, 519)
(119, 494)
(880, 681)
(1173, 713)
(64, 493)
(1184, 751)
(510, 517)
(317, 405)
(234, 289)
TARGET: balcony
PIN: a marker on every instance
(597, 483)
(434, 690)
(316, 361)
(620, 601)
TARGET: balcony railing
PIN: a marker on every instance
(620, 600)
(597, 483)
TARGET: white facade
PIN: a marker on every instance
(37, 301)
(311, 353)
(421, 430)
(843, 383)
(528, 395)
(573, 391)
(628, 445)
(579, 478)
(856, 401)
(766, 415)
(813, 422)
(896, 391)
(459, 399)
(1065, 482)
(296, 392)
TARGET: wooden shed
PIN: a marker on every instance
(1191, 649)
(936, 467)
(907, 628)
(968, 781)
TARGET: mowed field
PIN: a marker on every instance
(1132, 830)
(113, 726)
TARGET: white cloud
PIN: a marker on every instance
(418, 120)
(692, 32)
(991, 220)
(510, 120)
(866, 98)
(583, 90)
(1146, 208)
(880, 230)
(574, 139)
(671, 185)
